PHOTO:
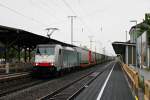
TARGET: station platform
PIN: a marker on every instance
(110, 85)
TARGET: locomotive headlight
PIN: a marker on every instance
(36, 64)
(52, 64)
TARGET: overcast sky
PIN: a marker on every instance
(105, 20)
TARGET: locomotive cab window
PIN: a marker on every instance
(59, 51)
(37, 51)
(45, 50)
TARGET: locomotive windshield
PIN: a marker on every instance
(45, 50)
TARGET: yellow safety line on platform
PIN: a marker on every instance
(136, 98)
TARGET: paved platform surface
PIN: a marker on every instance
(111, 85)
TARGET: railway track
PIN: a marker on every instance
(10, 77)
(15, 82)
(30, 89)
(71, 90)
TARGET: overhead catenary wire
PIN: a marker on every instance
(46, 8)
(81, 20)
(46, 4)
(64, 1)
(18, 13)
(38, 21)
(59, 6)
(28, 17)
(33, 19)
(40, 7)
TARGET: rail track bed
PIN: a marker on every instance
(71, 90)
(14, 82)
(10, 77)
(38, 91)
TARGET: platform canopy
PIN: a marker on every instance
(120, 48)
(13, 36)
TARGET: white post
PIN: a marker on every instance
(7, 68)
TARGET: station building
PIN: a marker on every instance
(136, 51)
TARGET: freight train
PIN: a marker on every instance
(54, 58)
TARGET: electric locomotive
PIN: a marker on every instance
(54, 59)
